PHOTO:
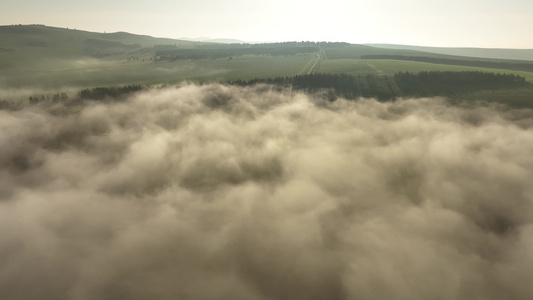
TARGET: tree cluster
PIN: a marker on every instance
(102, 93)
(450, 83)
(55, 98)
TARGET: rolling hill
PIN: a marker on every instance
(514, 54)
(50, 59)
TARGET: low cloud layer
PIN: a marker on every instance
(217, 192)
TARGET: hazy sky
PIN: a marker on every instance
(473, 23)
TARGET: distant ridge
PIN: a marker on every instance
(494, 53)
(13, 34)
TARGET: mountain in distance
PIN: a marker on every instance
(493, 53)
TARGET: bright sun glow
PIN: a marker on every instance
(454, 23)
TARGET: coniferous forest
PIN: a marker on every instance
(402, 84)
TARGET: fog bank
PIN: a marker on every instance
(217, 192)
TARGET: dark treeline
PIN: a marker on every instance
(97, 93)
(464, 77)
(101, 93)
(275, 45)
(402, 84)
(214, 51)
(522, 66)
(33, 100)
(334, 85)
(178, 54)
(55, 98)
(448, 83)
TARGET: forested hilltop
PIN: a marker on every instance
(214, 51)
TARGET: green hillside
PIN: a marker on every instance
(514, 54)
(49, 59)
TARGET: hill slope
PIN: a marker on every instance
(50, 58)
(515, 54)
